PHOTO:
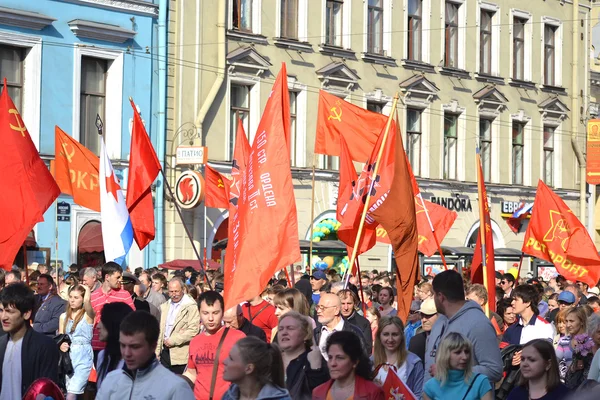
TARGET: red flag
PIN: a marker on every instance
(143, 170)
(487, 246)
(27, 186)
(394, 208)
(217, 188)
(442, 220)
(265, 227)
(393, 388)
(556, 235)
(360, 127)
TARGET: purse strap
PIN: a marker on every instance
(471, 385)
(216, 364)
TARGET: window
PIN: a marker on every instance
(242, 15)
(485, 42)
(294, 129)
(413, 131)
(375, 106)
(450, 145)
(289, 19)
(485, 147)
(519, 48)
(93, 100)
(375, 27)
(517, 152)
(415, 25)
(11, 67)
(239, 109)
(451, 26)
(333, 22)
(549, 55)
(549, 155)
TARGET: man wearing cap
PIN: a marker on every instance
(413, 322)
(428, 314)
(529, 325)
(593, 291)
(565, 300)
(129, 283)
(317, 280)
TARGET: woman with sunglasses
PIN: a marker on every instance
(390, 356)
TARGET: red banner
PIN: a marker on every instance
(217, 188)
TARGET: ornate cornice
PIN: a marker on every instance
(132, 6)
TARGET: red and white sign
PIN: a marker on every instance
(592, 172)
(189, 189)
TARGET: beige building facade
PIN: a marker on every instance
(507, 76)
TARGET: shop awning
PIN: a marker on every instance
(90, 238)
(181, 264)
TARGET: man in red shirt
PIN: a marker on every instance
(109, 292)
(210, 346)
(261, 314)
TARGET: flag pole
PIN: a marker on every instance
(482, 230)
(437, 242)
(520, 264)
(56, 239)
(187, 231)
(360, 285)
(375, 170)
(312, 217)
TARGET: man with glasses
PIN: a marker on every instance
(428, 315)
(330, 320)
(507, 284)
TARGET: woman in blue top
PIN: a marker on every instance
(453, 377)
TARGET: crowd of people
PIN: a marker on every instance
(106, 333)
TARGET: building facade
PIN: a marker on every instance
(502, 75)
(67, 62)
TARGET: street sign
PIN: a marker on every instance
(189, 189)
(63, 211)
(188, 155)
(593, 152)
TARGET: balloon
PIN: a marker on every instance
(514, 271)
(329, 261)
(317, 239)
(321, 265)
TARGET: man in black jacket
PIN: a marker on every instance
(234, 318)
(330, 320)
(349, 303)
(25, 353)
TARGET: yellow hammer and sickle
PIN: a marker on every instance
(220, 183)
(21, 127)
(66, 153)
(335, 114)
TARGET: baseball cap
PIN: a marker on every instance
(128, 277)
(428, 307)
(594, 290)
(319, 275)
(567, 297)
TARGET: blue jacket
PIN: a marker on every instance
(268, 392)
(48, 314)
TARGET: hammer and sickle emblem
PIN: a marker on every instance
(335, 114)
(66, 153)
(220, 183)
(21, 126)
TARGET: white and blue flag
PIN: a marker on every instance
(117, 233)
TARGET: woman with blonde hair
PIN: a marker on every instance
(454, 378)
(390, 355)
(425, 291)
(574, 368)
(290, 300)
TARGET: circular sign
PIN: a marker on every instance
(189, 189)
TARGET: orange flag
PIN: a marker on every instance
(360, 127)
(394, 208)
(488, 246)
(555, 234)
(27, 187)
(76, 170)
(265, 227)
(217, 188)
(143, 170)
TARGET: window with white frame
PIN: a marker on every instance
(331, 163)
(334, 22)
(241, 18)
(414, 135)
(289, 19)
(239, 109)
(549, 155)
(294, 137)
(521, 37)
(485, 41)
(93, 100)
(518, 157)
(375, 106)
(375, 27)
(11, 67)
(485, 147)
(415, 30)
(452, 34)
(550, 32)
(450, 145)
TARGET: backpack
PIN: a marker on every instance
(511, 374)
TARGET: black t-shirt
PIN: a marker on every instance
(417, 345)
(520, 393)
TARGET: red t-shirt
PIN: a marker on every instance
(261, 315)
(202, 358)
(98, 300)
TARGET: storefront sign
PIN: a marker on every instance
(189, 189)
(453, 203)
(593, 152)
(509, 207)
(63, 211)
(191, 155)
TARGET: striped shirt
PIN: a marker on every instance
(99, 299)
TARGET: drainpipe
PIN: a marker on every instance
(163, 11)
(574, 111)
(214, 90)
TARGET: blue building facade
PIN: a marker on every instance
(67, 61)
